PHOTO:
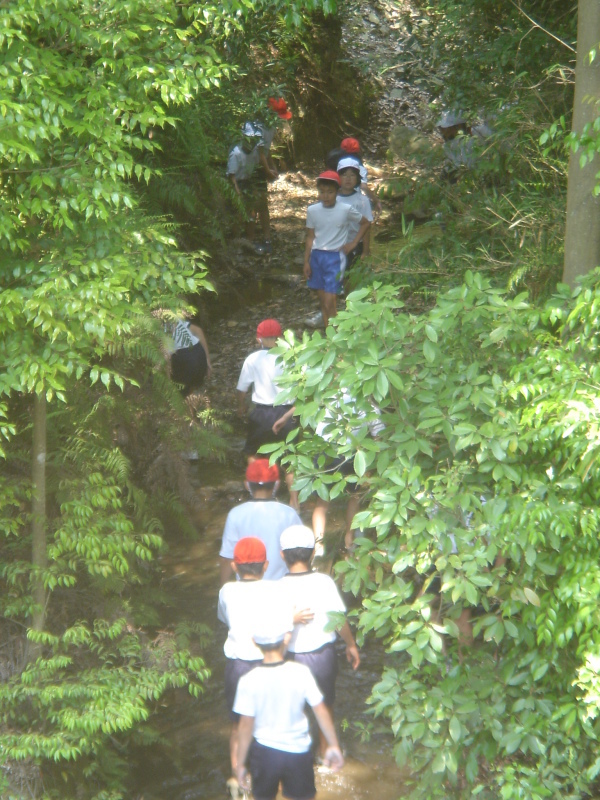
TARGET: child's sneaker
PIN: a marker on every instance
(259, 249)
(315, 320)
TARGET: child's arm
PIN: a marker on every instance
(235, 183)
(367, 242)
(225, 569)
(310, 237)
(245, 731)
(279, 423)
(267, 164)
(241, 403)
(199, 334)
(352, 653)
(333, 755)
(364, 227)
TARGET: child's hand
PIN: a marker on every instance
(353, 655)
(347, 248)
(333, 759)
(303, 616)
(243, 778)
(307, 270)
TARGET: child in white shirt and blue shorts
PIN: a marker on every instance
(327, 225)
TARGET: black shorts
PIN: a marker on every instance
(234, 669)
(342, 464)
(260, 427)
(189, 367)
(352, 256)
(270, 767)
(324, 667)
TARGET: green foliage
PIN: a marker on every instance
(484, 481)
(501, 212)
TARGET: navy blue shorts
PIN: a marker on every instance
(323, 665)
(327, 268)
(260, 427)
(270, 767)
(234, 669)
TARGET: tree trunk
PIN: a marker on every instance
(582, 235)
(38, 525)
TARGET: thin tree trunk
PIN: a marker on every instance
(582, 235)
(39, 556)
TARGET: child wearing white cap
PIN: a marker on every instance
(315, 597)
(274, 737)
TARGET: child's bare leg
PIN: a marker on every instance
(294, 501)
(328, 304)
(233, 747)
(319, 520)
(351, 511)
(264, 218)
(322, 740)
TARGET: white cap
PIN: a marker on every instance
(450, 118)
(344, 163)
(272, 629)
(251, 129)
(297, 536)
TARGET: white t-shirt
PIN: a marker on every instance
(275, 695)
(342, 411)
(362, 204)
(331, 225)
(241, 603)
(262, 369)
(265, 519)
(318, 592)
(241, 164)
(183, 337)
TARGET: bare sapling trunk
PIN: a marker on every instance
(582, 235)
(39, 556)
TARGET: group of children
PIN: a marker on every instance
(282, 616)
(280, 656)
(337, 226)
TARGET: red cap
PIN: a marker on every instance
(280, 107)
(268, 329)
(350, 145)
(329, 175)
(260, 471)
(250, 550)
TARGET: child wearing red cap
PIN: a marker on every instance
(261, 370)
(327, 224)
(241, 603)
(262, 517)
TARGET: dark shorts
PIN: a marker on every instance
(234, 669)
(343, 465)
(270, 767)
(323, 665)
(189, 367)
(327, 270)
(352, 256)
(254, 191)
(260, 427)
